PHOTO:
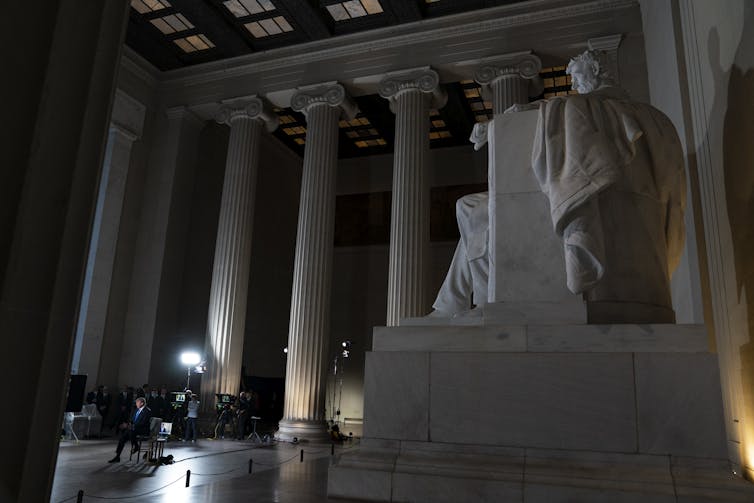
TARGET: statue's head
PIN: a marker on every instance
(588, 72)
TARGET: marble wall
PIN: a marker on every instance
(708, 48)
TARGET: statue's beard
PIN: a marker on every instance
(585, 86)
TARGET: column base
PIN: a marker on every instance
(302, 431)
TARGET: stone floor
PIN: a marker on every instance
(219, 473)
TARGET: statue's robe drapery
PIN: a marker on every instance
(598, 146)
(469, 271)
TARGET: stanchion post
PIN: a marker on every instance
(302, 456)
(188, 477)
(251, 462)
(80, 496)
(332, 449)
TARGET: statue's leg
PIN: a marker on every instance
(469, 270)
(480, 274)
(472, 212)
(455, 293)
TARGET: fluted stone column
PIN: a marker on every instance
(411, 94)
(230, 274)
(126, 124)
(308, 335)
(509, 79)
(59, 101)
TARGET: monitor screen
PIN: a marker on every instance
(166, 428)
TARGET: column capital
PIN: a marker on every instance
(124, 132)
(127, 115)
(607, 43)
(252, 107)
(524, 64)
(608, 46)
(329, 93)
(423, 79)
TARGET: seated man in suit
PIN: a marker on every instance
(139, 425)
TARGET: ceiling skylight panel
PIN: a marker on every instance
(343, 11)
(194, 43)
(244, 8)
(354, 8)
(147, 6)
(172, 23)
(338, 12)
(270, 26)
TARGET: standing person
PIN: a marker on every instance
(162, 404)
(152, 401)
(192, 412)
(143, 390)
(103, 401)
(243, 415)
(123, 406)
(222, 420)
(138, 425)
(91, 396)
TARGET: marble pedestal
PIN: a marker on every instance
(540, 413)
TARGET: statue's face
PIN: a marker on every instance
(582, 77)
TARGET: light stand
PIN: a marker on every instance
(190, 359)
(338, 383)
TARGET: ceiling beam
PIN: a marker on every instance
(308, 18)
(401, 11)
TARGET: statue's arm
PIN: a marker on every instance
(479, 135)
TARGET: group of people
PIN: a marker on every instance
(135, 408)
(238, 416)
(156, 399)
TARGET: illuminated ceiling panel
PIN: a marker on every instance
(362, 132)
(173, 23)
(194, 43)
(438, 129)
(343, 11)
(244, 8)
(147, 6)
(556, 82)
(267, 27)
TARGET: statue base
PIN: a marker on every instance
(552, 413)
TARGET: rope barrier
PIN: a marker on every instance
(318, 451)
(188, 474)
(277, 464)
(213, 474)
(124, 497)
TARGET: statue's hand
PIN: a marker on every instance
(479, 135)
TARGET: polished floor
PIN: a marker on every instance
(219, 473)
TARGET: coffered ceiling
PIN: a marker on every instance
(178, 36)
(172, 34)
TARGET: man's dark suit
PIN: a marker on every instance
(139, 425)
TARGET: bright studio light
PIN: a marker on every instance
(190, 359)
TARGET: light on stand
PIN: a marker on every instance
(190, 359)
(346, 348)
(337, 373)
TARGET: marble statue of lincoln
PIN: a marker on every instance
(612, 170)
